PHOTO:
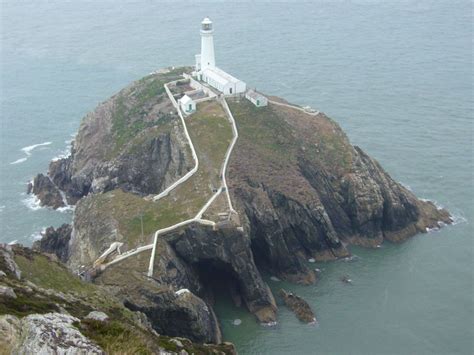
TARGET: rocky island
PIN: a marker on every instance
(299, 188)
(184, 181)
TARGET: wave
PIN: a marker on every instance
(27, 150)
(66, 209)
(18, 161)
(38, 235)
(32, 202)
(2, 207)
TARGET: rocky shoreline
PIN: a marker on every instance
(300, 188)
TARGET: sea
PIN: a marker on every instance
(396, 75)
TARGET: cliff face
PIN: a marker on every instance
(300, 188)
(306, 192)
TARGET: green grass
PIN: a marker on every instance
(115, 337)
(48, 274)
(277, 133)
(211, 134)
(26, 304)
(130, 116)
(261, 128)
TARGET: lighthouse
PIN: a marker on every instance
(206, 70)
(207, 58)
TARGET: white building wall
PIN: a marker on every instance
(207, 51)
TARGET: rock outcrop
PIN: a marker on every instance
(52, 333)
(55, 241)
(129, 142)
(298, 306)
(58, 313)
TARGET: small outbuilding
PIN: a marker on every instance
(187, 104)
(256, 98)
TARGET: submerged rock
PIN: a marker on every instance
(299, 306)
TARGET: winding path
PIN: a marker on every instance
(295, 107)
(198, 218)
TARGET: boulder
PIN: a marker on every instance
(6, 291)
(99, 316)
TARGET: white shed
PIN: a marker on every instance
(256, 98)
(187, 104)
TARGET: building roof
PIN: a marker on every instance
(254, 95)
(220, 76)
(186, 100)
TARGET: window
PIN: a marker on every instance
(230, 90)
(190, 107)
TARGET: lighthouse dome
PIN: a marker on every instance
(206, 25)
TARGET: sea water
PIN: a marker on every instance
(396, 75)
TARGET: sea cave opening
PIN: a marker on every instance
(219, 280)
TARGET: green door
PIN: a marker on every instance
(190, 107)
(258, 102)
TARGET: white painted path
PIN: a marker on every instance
(198, 218)
(295, 107)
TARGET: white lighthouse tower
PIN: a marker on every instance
(206, 69)
(207, 58)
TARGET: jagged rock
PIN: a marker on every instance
(7, 263)
(6, 291)
(47, 192)
(55, 241)
(185, 315)
(2, 274)
(299, 306)
(101, 160)
(99, 316)
(53, 333)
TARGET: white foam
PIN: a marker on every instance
(458, 219)
(406, 186)
(18, 161)
(2, 208)
(32, 202)
(13, 242)
(181, 291)
(269, 324)
(27, 150)
(66, 209)
(38, 235)
(274, 278)
(237, 322)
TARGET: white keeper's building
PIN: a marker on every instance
(206, 69)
